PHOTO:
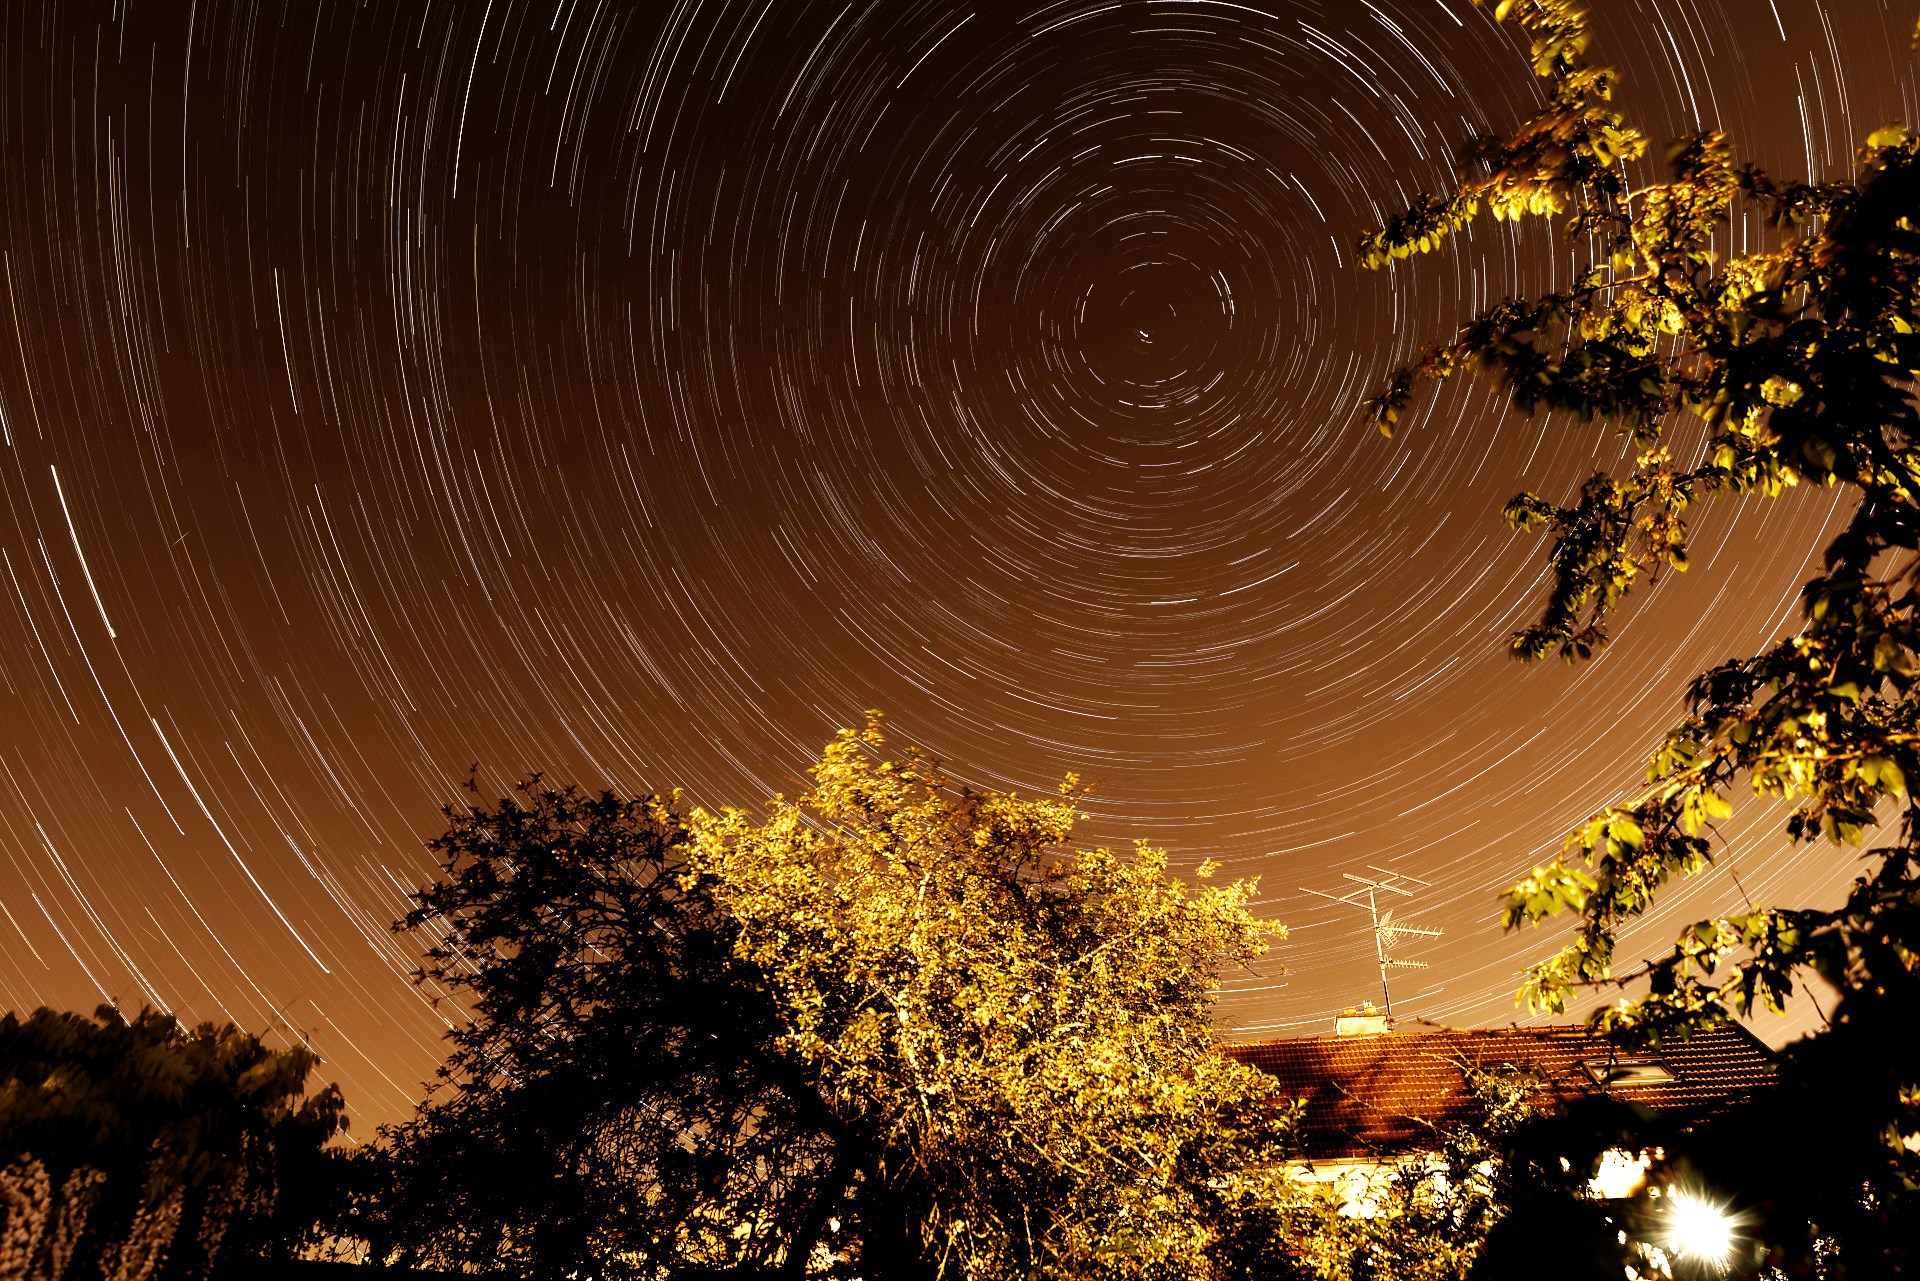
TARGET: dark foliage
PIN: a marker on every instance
(613, 1087)
(141, 1149)
(1809, 1162)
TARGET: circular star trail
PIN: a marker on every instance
(636, 393)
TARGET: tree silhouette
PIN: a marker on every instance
(138, 1149)
(614, 1081)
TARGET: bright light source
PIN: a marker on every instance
(1699, 1229)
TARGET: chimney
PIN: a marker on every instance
(1365, 1021)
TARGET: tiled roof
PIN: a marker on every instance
(1377, 1095)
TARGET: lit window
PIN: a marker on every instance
(1626, 1072)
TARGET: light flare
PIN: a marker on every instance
(1696, 1228)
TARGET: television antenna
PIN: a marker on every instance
(1387, 932)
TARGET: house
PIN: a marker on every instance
(1374, 1097)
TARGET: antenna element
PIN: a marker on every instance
(1387, 932)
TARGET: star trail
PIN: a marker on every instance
(638, 392)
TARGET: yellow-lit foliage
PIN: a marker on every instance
(1736, 372)
(1016, 1034)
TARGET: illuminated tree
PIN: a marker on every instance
(1015, 1036)
(1792, 364)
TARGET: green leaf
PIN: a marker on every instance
(1889, 655)
(1882, 772)
(1624, 831)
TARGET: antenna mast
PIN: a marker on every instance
(1386, 931)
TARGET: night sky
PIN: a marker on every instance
(638, 392)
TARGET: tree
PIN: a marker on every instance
(615, 1103)
(1798, 361)
(1014, 1036)
(896, 1030)
(137, 1149)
